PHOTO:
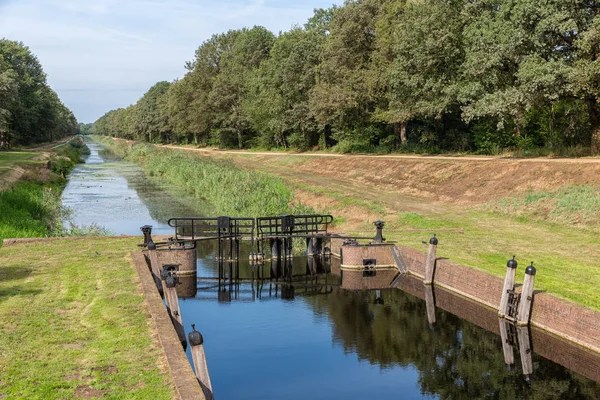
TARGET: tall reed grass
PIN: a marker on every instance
(230, 189)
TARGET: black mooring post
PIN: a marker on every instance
(379, 235)
(147, 231)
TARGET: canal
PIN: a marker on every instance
(305, 337)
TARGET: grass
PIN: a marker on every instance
(480, 238)
(74, 323)
(231, 190)
(32, 206)
(30, 209)
(8, 159)
(572, 205)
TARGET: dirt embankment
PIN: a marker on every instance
(460, 182)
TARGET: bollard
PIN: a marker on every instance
(509, 284)
(172, 302)
(525, 351)
(379, 235)
(147, 231)
(507, 344)
(430, 305)
(196, 342)
(526, 296)
(430, 261)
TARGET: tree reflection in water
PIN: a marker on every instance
(456, 360)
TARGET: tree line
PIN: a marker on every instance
(30, 111)
(383, 75)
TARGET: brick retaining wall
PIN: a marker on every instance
(558, 316)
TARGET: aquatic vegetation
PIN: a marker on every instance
(230, 189)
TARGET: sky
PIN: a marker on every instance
(104, 54)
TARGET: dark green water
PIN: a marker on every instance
(267, 337)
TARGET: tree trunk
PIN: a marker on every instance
(403, 138)
(239, 135)
(592, 104)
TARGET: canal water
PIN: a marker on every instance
(292, 332)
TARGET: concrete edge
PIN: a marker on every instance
(16, 241)
(186, 384)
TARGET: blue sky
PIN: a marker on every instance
(104, 54)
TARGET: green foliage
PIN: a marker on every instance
(30, 111)
(231, 190)
(30, 209)
(484, 76)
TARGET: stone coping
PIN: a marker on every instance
(186, 384)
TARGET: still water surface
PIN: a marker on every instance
(265, 340)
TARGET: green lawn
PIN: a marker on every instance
(74, 323)
(11, 159)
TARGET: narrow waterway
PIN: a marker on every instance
(292, 331)
(116, 195)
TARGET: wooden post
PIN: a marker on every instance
(430, 305)
(153, 258)
(196, 342)
(525, 351)
(430, 261)
(172, 302)
(526, 296)
(507, 345)
(509, 284)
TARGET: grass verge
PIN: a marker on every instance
(74, 323)
(32, 206)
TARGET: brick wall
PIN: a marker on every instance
(353, 255)
(546, 344)
(561, 317)
(186, 259)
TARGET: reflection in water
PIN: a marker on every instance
(260, 319)
(117, 195)
(288, 329)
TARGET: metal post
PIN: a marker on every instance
(379, 235)
(147, 231)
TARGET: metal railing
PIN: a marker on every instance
(199, 228)
(293, 225)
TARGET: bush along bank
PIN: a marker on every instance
(231, 190)
(32, 206)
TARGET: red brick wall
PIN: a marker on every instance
(353, 255)
(547, 345)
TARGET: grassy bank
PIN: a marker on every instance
(562, 243)
(31, 206)
(473, 235)
(74, 324)
(231, 190)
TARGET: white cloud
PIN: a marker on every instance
(105, 54)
